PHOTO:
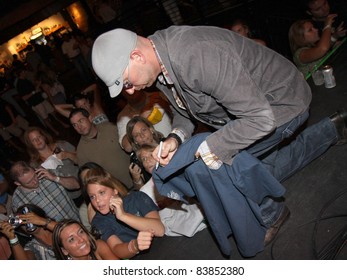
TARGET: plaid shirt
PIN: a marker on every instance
(49, 196)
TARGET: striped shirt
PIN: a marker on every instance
(49, 196)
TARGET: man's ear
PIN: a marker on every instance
(137, 55)
(17, 183)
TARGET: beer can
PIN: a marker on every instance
(329, 79)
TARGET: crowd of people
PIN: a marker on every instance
(151, 172)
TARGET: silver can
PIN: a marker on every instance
(329, 79)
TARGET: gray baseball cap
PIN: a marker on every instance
(110, 56)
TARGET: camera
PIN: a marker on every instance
(14, 221)
(135, 160)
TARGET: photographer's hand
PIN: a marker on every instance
(7, 230)
(32, 218)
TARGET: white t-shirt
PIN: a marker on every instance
(178, 218)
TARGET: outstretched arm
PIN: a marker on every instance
(104, 251)
(63, 109)
(130, 249)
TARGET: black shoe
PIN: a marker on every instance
(340, 121)
(274, 229)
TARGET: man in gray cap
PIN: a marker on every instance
(252, 96)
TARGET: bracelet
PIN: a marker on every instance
(135, 249)
(14, 241)
(136, 246)
(175, 136)
(326, 27)
(48, 221)
(57, 179)
(14, 244)
(138, 182)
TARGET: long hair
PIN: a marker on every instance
(296, 35)
(157, 136)
(86, 166)
(101, 177)
(32, 208)
(58, 244)
(33, 153)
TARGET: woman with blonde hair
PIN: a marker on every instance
(54, 160)
(126, 221)
(307, 47)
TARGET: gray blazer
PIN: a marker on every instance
(231, 83)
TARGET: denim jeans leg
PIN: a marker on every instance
(284, 131)
(270, 209)
(308, 145)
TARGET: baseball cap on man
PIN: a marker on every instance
(110, 56)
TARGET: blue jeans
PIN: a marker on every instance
(284, 162)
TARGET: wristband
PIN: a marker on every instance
(175, 136)
(138, 182)
(135, 245)
(48, 221)
(57, 180)
(326, 27)
(14, 240)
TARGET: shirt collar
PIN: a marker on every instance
(164, 78)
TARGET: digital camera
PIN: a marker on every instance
(14, 221)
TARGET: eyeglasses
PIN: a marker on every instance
(127, 84)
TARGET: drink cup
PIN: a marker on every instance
(318, 77)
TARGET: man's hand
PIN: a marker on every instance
(169, 148)
(210, 159)
(43, 173)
